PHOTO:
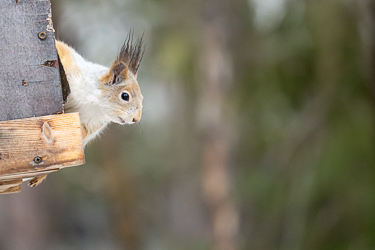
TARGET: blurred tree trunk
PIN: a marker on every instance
(366, 14)
(216, 79)
(121, 191)
(26, 219)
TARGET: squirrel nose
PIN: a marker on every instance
(137, 115)
(136, 119)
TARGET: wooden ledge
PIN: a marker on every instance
(8, 187)
(34, 146)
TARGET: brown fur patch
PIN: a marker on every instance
(65, 53)
(106, 78)
(125, 74)
(84, 131)
(117, 70)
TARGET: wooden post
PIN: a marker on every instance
(35, 137)
(29, 75)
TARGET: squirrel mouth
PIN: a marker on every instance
(122, 120)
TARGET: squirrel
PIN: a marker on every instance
(102, 95)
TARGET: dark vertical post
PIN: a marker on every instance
(35, 138)
(29, 75)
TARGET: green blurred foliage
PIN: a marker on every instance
(306, 170)
(302, 163)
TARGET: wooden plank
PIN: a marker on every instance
(29, 74)
(32, 145)
(26, 175)
(8, 187)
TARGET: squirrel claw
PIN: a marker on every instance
(37, 180)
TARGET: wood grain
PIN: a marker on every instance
(29, 74)
(30, 86)
(32, 146)
(8, 187)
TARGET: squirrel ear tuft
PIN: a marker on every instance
(119, 73)
(131, 54)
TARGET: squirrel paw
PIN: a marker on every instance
(37, 180)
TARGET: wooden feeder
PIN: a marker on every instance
(36, 137)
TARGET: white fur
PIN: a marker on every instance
(85, 97)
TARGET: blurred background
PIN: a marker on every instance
(257, 131)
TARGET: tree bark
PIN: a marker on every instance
(216, 80)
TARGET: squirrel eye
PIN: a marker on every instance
(125, 96)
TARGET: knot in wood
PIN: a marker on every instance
(51, 63)
(47, 132)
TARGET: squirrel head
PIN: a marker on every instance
(122, 94)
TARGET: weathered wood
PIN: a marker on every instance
(26, 175)
(29, 75)
(8, 187)
(30, 86)
(31, 146)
